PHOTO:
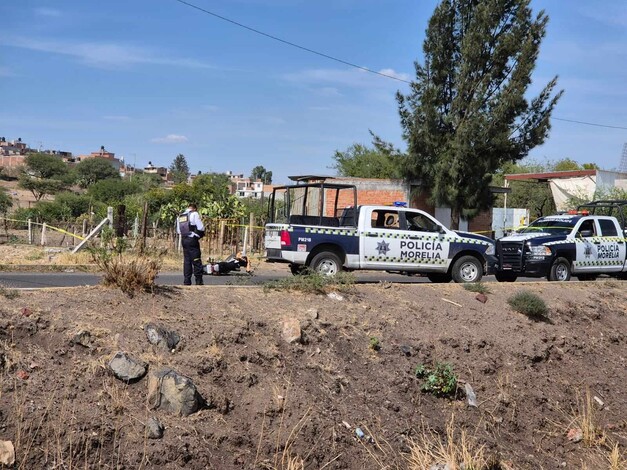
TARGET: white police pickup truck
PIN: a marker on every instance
(559, 246)
(305, 232)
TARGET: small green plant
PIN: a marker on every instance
(529, 304)
(441, 381)
(9, 293)
(314, 283)
(421, 371)
(478, 287)
(106, 236)
(375, 344)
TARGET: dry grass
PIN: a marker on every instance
(41, 443)
(585, 418)
(131, 273)
(456, 449)
(617, 459)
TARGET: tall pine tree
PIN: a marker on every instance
(179, 169)
(466, 113)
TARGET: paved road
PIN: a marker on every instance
(73, 279)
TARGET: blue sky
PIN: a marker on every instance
(149, 79)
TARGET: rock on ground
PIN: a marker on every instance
(126, 368)
(162, 337)
(173, 392)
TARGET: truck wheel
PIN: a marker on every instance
(587, 277)
(440, 278)
(505, 276)
(326, 263)
(467, 269)
(560, 270)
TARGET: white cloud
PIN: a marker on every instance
(170, 139)
(47, 12)
(395, 74)
(328, 91)
(116, 118)
(345, 77)
(103, 55)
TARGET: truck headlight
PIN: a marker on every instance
(490, 250)
(538, 251)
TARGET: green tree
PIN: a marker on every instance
(92, 170)
(565, 164)
(381, 160)
(6, 201)
(146, 181)
(467, 113)
(533, 195)
(590, 166)
(112, 191)
(179, 169)
(259, 173)
(44, 174)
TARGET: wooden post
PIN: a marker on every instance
(120, 224)
(144, 228)
(221, 238)
(43, 234)
(251, 232)
(30, 232)
(84, 232)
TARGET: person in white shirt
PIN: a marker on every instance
(190, 227)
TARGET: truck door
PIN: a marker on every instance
(610, 246)
(586, 245)
(379, 241)
(424, 243)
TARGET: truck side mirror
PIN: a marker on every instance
(585, 233)
(441, 230)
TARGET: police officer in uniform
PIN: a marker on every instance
(191, 229)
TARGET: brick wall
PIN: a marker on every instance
(482, 223)
(11, 161)
(385, 192)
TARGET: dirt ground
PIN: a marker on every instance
(273, 404)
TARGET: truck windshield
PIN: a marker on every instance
(550, 226)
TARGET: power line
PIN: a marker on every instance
(321, 54)
(590, 123)
(345, 62)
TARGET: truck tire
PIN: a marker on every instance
(560, 270)
(440, 278)
(505, 276)
(326, 263)
(467, 269)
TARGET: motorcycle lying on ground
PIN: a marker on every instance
(233, 263)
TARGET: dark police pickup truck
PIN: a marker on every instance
(559, 246)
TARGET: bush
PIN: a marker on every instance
(441, 381)
(314, 283)
(477, 287)
(130, 273)
(529, 304)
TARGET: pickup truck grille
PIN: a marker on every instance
(510, 255)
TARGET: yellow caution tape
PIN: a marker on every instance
(47, 226)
